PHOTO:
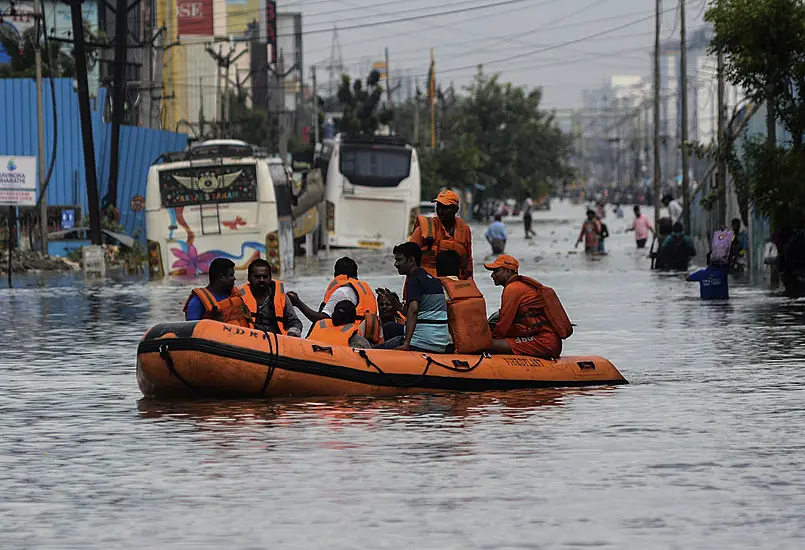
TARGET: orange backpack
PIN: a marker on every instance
(466, 316)
(554, 311)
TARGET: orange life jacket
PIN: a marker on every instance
(466, 316)
(230, 310)
(325, 331)
(279, 303)
(432, 243)
(373, 330)
(554, 312)
(367, 303)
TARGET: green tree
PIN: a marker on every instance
(522, 150)
(763, 43)
(363, 108)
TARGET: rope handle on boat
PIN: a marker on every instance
(273, 352)
(458, 364)
(362, 353)
(165, 355)
(322, 349)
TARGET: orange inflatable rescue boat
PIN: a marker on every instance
(207, 358)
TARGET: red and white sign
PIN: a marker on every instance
(195, 17)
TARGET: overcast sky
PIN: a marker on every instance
(564, 46)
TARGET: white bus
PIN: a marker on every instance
(221, 198)
(372, 189)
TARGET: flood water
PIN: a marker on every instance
(704, 449)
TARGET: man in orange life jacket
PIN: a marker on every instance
(345, 286)
(266, 300)
(341, 330)
(531, 321)
(219, 300)
(444, 232)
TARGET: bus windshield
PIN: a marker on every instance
(375, 165)
(208, 184)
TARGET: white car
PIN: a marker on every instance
(427, 208)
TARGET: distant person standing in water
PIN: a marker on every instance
(674, 208)
(528, 206)
(604, 234)
(641, 227)
(590, 233)
(497, 235)
(712, 281)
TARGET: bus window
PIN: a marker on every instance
(282, 189)
(373, 166)
(208, 185)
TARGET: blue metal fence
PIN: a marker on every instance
(139, 147)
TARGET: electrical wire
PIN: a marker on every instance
(552, 47)
(43, 191)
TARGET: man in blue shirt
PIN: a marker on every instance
(497, 235)
(223, 301)
(712, 281)
(426, 306)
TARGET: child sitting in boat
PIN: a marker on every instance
(341, 329)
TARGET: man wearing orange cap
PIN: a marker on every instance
(531, 320)
(444, 232)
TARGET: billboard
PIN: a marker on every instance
(242, 17)
(194, 17)
(16, 19)
(18, 181)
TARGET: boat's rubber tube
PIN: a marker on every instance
(207, 358)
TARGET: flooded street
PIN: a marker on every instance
(704, 449)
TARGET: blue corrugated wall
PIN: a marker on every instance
(139, 147)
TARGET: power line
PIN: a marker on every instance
(552, 47)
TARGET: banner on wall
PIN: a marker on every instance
(195, 17)
(18, 181)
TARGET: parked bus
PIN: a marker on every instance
(223, 198)
(372, 189)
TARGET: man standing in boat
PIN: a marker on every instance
(444, 232)
(531, 320)
(219, 300)
(271, 311)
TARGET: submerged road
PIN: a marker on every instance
(705, 448)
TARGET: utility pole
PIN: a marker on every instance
(86, 122)
(218, 93)
(657, 174)
(40, 116)
(201, 107)
(683, 89)
(148, 71)
(119, 96)
(388, 82)
(315, 108)
(225, 99)
(721, 169)
(282, 124)
(416, 115)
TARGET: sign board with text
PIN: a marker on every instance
(18, 181)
